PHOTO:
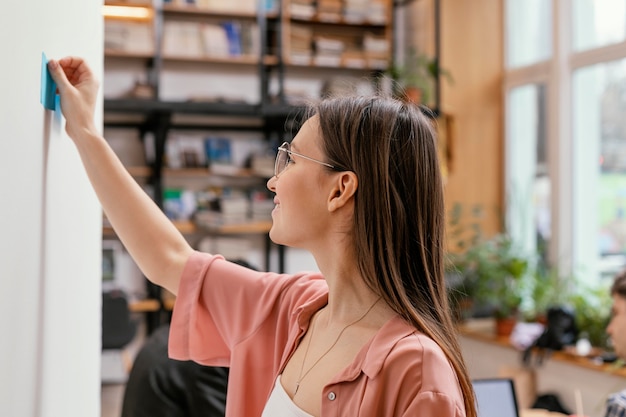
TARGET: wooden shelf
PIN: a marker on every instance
(233, 60)
(192, 10)
(148, 305)
(139, 171)
(117, 54)
(341, 66)
(339, 22)
(123, 3)
(483, 330)
(187, 227)
(248, 228)
(147, 106)
(145, 171)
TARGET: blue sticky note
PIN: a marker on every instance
(48, 86)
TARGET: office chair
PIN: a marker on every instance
(118, 330)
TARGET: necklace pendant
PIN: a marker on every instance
(296, 390)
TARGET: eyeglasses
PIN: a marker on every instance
(283, 158)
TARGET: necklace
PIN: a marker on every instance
(306, 352)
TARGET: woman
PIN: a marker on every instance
(371, 335)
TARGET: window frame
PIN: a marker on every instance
(556, 73)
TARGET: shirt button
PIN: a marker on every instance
(331, 396)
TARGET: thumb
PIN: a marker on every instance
(58, 75)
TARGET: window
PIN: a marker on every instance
(598, 23)
(528, 191)
(599, 135)
(528, 25)
(565, 89)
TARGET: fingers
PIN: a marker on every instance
(70, 71)
(58, 75)
(76, 69)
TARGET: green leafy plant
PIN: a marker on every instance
(418, 71)
(547, 288)
(592, 307)
(494, 271)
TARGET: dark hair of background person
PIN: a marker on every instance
(619, 284)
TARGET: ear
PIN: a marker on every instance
(343, 190)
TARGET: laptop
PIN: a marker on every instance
(495, 397)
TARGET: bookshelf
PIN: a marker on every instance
(175, 68)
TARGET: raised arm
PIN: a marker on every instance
(155, 244)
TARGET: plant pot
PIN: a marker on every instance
(505, 325)
(413, 94)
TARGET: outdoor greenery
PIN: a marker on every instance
(497, 278)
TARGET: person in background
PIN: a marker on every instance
(616, 403)
(162, 387)
(371, 334)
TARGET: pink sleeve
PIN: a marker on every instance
(433, 404)
(220, 303)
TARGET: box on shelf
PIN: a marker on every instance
(128, 36)
(232, 248)
(182, 39)
(183, 151)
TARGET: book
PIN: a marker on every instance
(214, 40)
(233, 34)
(218, 151)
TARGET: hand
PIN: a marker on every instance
(78, 89)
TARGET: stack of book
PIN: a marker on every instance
(301, 45)
(128, 36)
(329, 10)
(328, 50)
(221, 40)
(302, 9)
(358, 11)
(261, 206)
(231, 6)
(377, 51)
(182, 39)
(231, 210)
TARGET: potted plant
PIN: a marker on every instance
(495, 273)
(547, 288)
(592, 309)
(415, 78)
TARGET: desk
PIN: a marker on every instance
(562, 374)
(483, 330)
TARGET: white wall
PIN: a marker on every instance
(49, 222)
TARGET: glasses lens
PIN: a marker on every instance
(281, 159)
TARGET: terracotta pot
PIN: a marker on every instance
(413, 94)
(505, 325)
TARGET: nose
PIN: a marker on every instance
(609, 328)
(271, 184)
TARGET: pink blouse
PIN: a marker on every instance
(228, 315)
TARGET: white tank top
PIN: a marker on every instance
(280, 405)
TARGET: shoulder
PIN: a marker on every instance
(616, 403)
(425, 362)
(416, 369)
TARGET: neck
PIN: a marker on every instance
(348, 294)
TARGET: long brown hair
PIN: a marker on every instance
(399, 211)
